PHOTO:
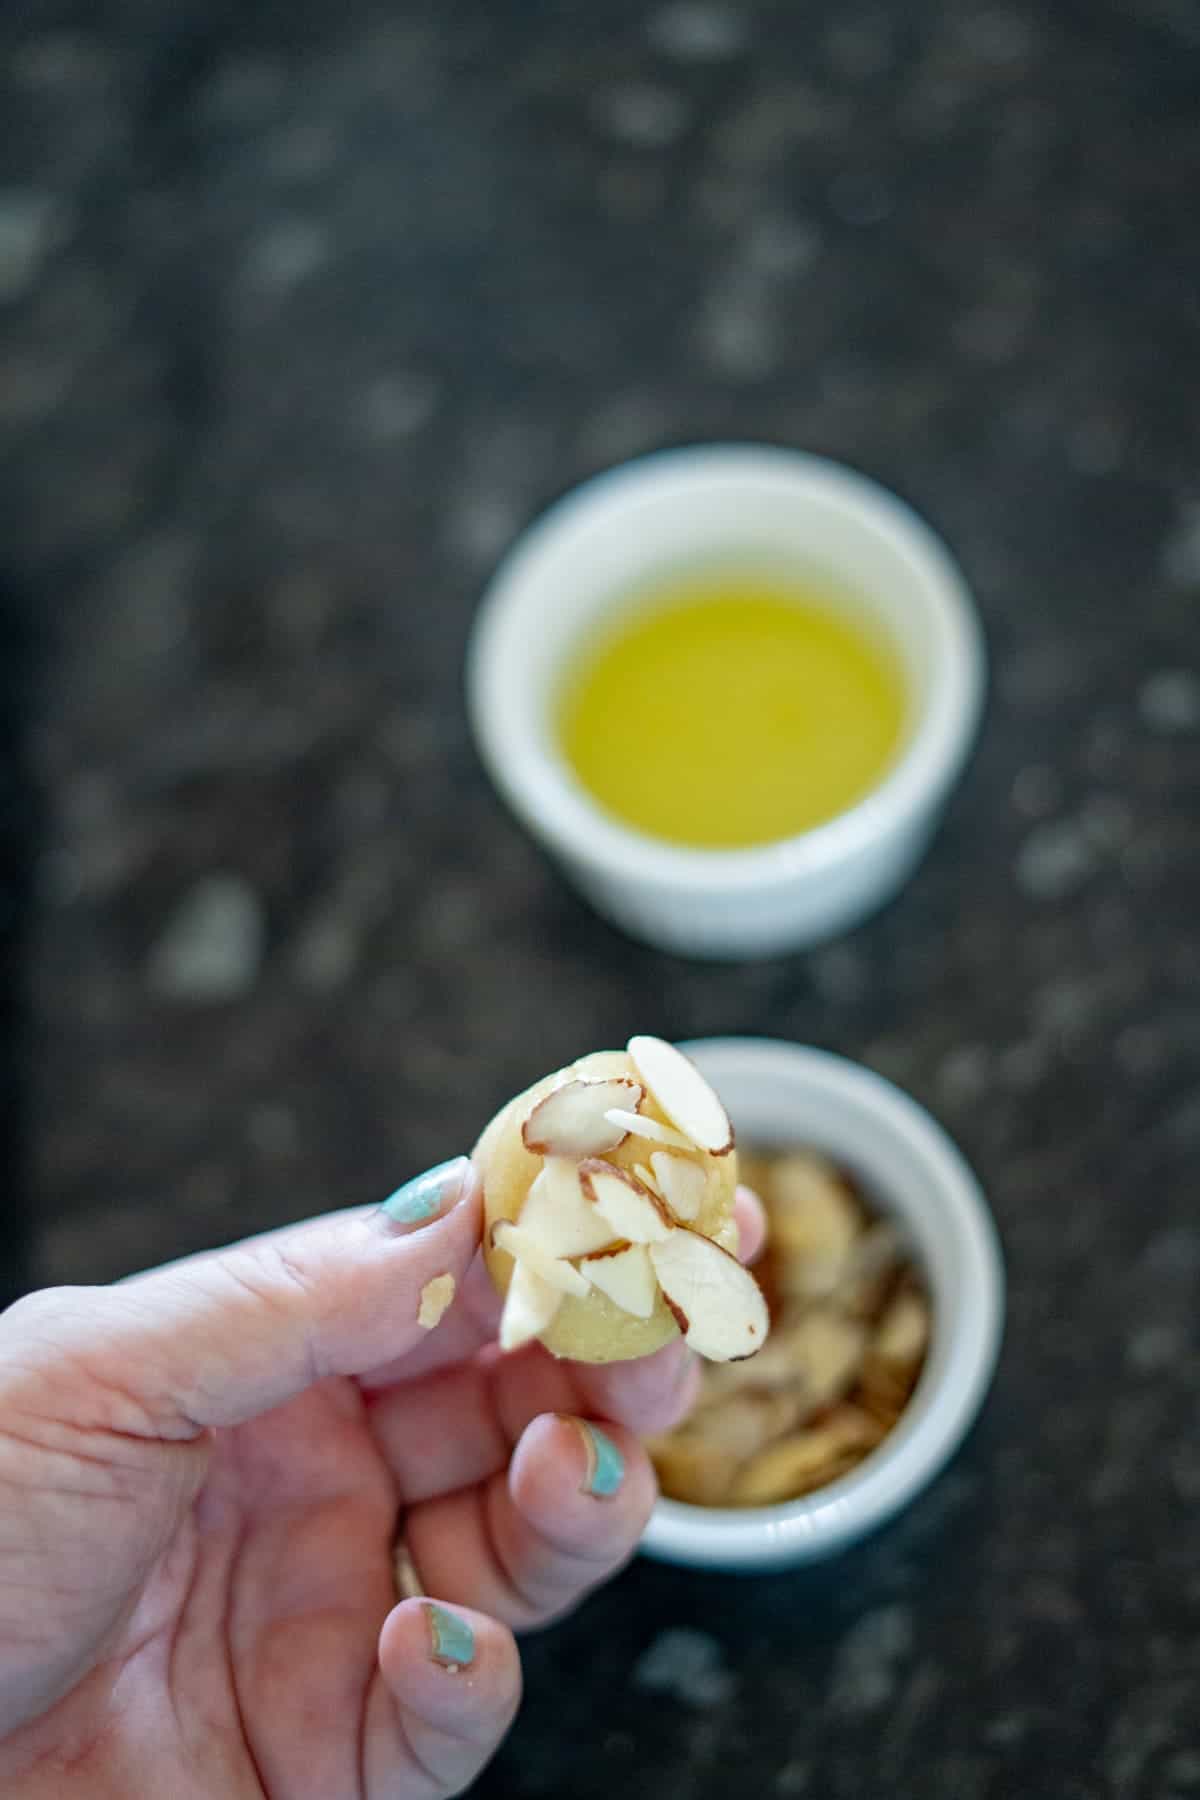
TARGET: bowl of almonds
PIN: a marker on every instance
(885, 1286)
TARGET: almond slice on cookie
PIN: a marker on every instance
(717, 1304)
(633, 1211)
(525, 1248)
(633, 1124)
(682, 1093)
(680, 1182)
(529, 1307)
(557, 1214)
(573, 1119)
(626, 1275)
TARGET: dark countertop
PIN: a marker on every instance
(304, 314)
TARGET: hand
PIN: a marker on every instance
(201, 1474)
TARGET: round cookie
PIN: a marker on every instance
(614, 1213)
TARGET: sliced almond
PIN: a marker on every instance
(869, 1277)
(852, 1324)
(691, 1469)
(815, 1224)
(632, 1210)
(725, 1313)
(883, 1389)
(819, 1352)
(728, 1236)
(789, 1470)
(744, 1424)
(573, 1121)
(646, 1176)
(632, 1124)
(556, 1213)
(528, 1249)
(682, 1093)
(680, 1182)
(810, 1459)
(436, 1296)
(724, 1379)
(529, 1306)
(903, 1334)
(626, 1276)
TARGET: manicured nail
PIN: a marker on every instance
(452, 1642)
(425, 1196)
(605, 1465)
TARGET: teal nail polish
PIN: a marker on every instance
(605, 1464)
(425, 1195)
(452, 1639)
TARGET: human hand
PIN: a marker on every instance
(201, 1474)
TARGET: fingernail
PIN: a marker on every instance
(605, 1469)
(452, 1642)
(425, 1196)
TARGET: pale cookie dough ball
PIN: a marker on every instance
(607, 1238)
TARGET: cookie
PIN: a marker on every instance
(608, 1196)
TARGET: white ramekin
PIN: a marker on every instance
(780, 1094)
(613, 538)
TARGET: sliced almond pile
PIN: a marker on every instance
(818, 1350)
(690, 1467)
(589, 1224)
(806, 1459)
(894, 1358)
(744, 1424)
(903, 1331)
(815, 1224)
(869, 1273)
(850, 1332)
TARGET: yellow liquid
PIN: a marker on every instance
(732, 711)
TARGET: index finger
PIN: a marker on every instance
(217, 1339)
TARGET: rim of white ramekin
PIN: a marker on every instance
(964, 1347)
(540, 787)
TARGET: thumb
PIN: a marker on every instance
(217, 1339)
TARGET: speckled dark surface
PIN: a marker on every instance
(304, 314)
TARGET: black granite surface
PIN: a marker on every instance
(306, 311)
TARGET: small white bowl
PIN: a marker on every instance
(780, 1094)
(614, 538)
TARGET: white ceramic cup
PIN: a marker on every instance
(614, 538)
(779, 1094)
